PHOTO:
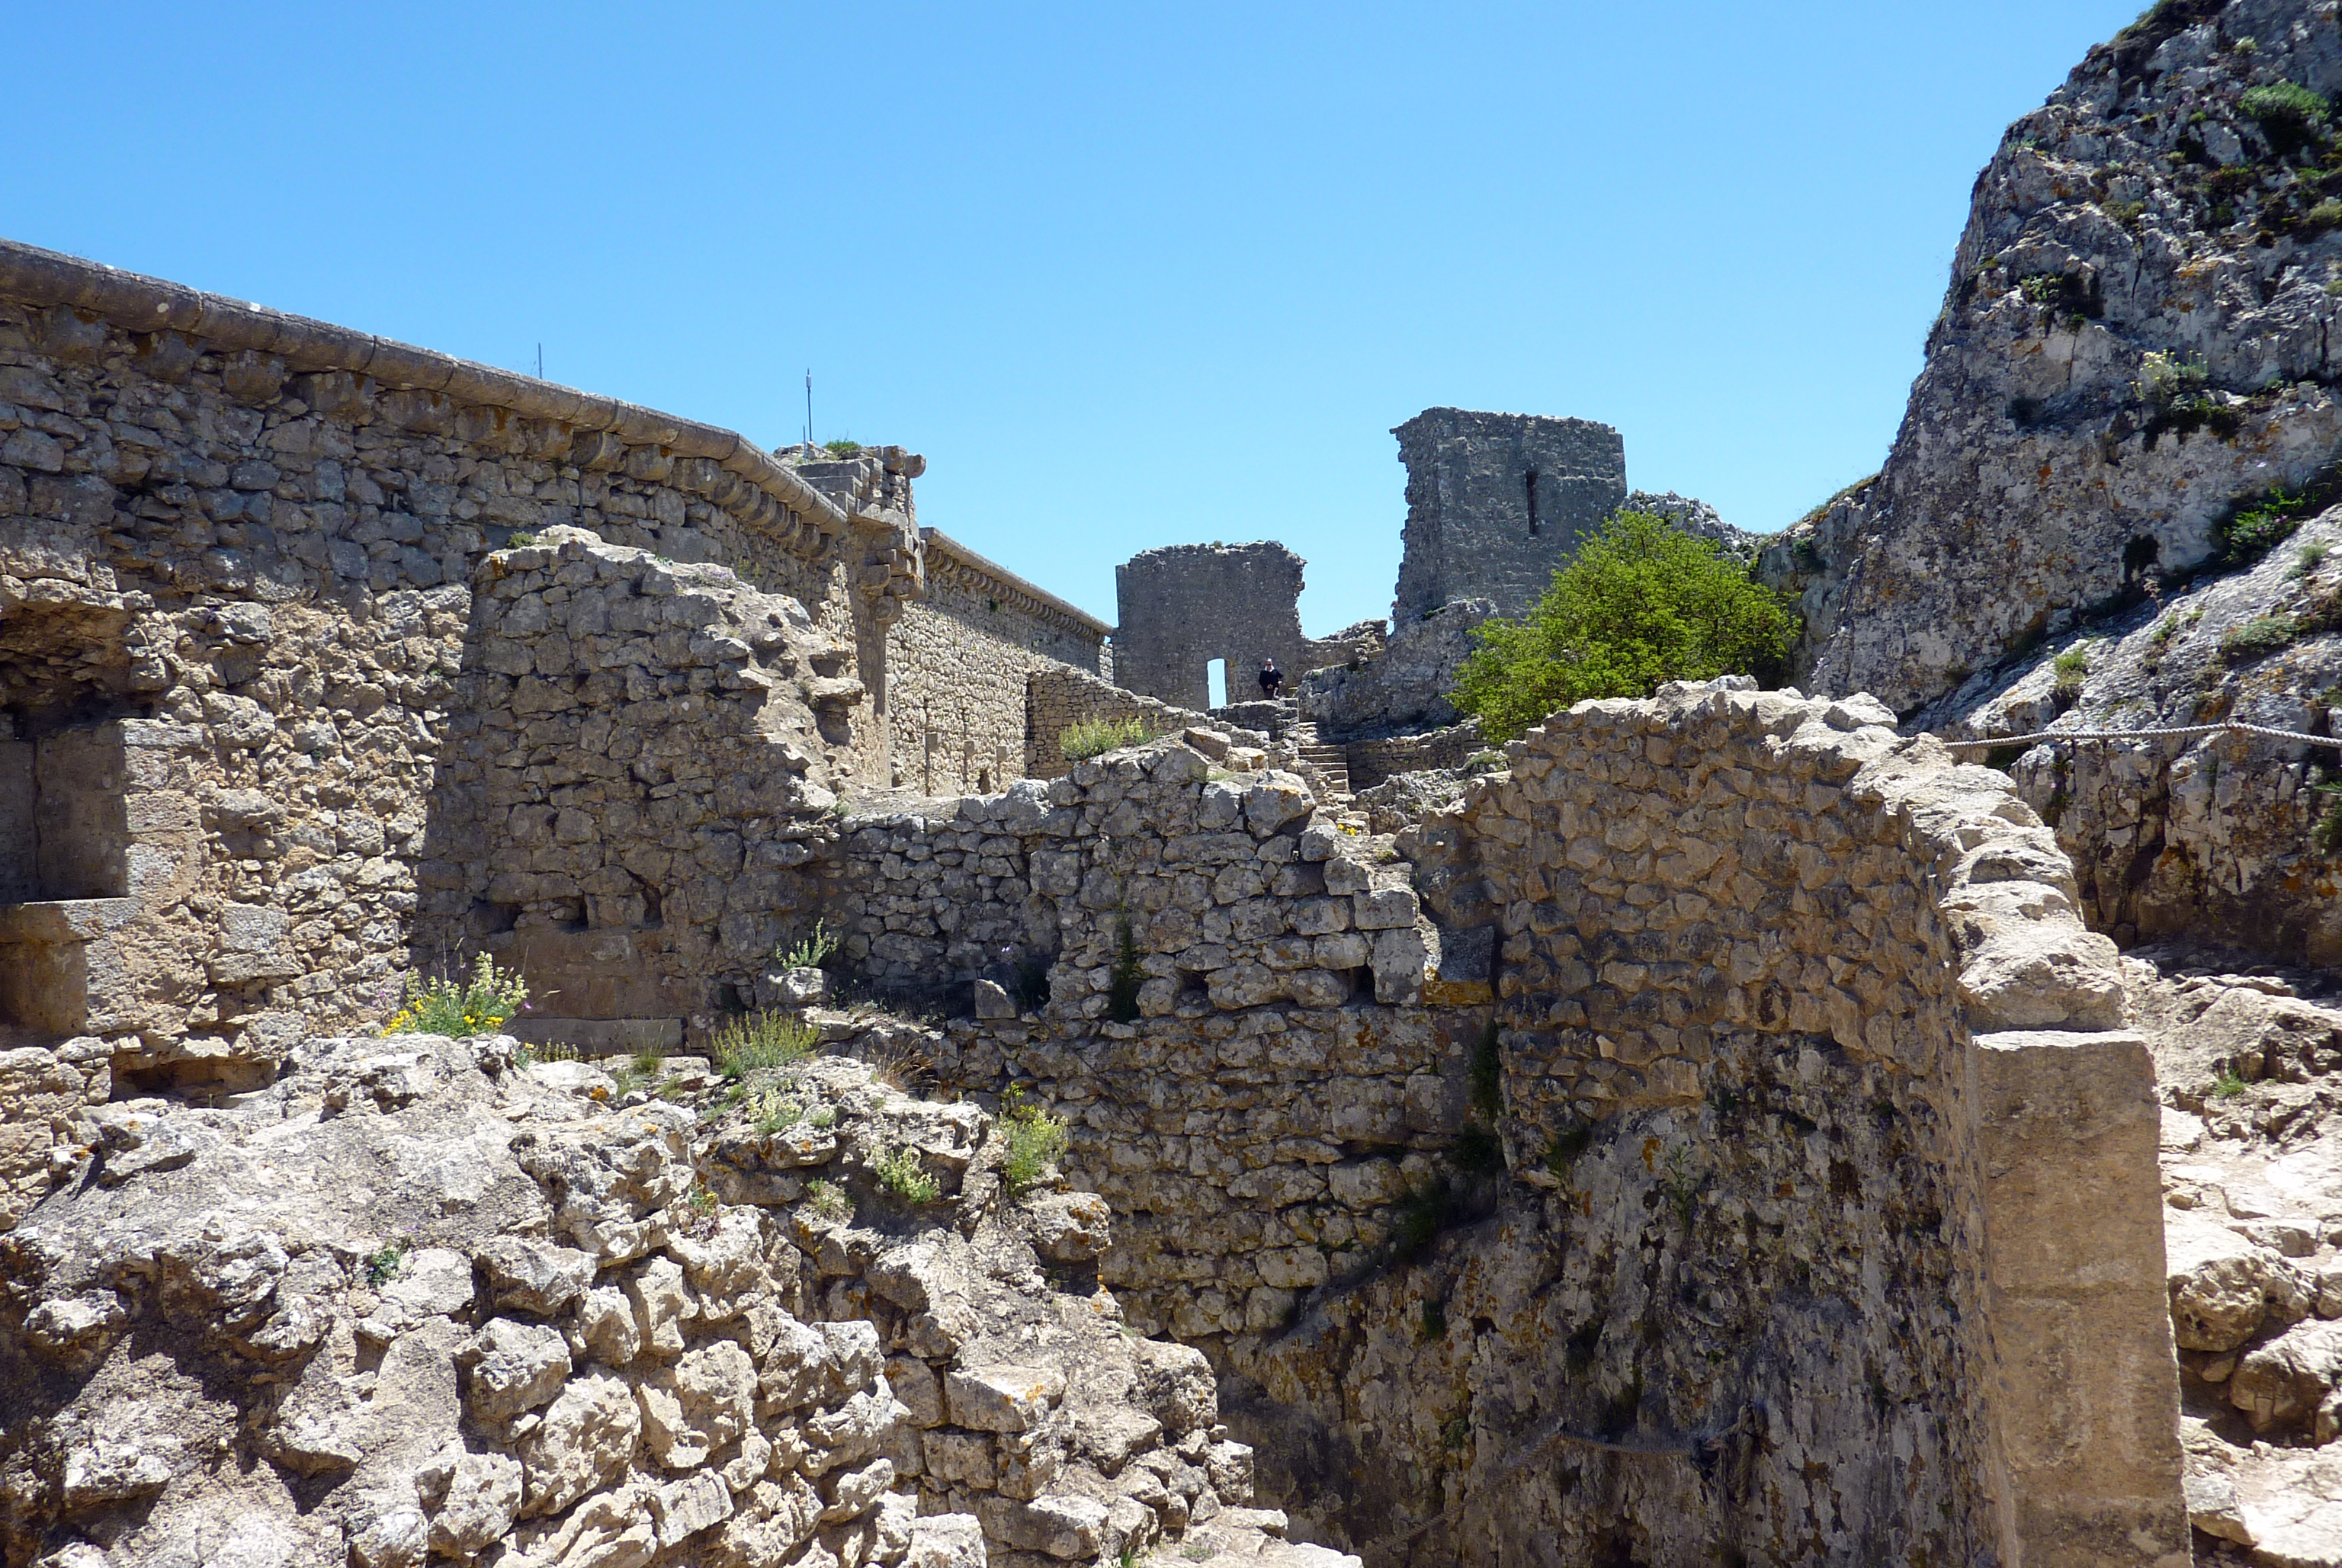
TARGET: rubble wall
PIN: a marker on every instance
(1684, 1188)
(1473, 530)
(958, 663)
(641, 758)
(1057, 699)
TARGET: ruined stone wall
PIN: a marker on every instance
(1057, 699)
(1708, 1182)
(1183, 606)
(1373, 762)
(1473, 530)
(234, 556)
(959, 665)
(641, 757)
(1405, 685)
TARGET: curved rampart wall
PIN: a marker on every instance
(1755, 1192)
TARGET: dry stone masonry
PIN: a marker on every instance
(1185, 606)
(1495, 502)
(1708, 1133)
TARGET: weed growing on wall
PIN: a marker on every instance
(762, 1040)
(1035, 1138)
(442, 1005)
(1089, 738)
(829, 1199)
(1641, 604)
(812, 951)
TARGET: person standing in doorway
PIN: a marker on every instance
(1271, 677)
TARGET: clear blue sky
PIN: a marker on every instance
(1128, 275)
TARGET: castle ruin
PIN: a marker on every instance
(1496, 502)
(1714, 1133)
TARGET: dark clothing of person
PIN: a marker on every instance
(1271, 677)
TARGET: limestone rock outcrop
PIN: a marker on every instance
(428, 1299)
(2216, 839)
(2134, 342)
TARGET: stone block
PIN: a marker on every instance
(1001, 1398)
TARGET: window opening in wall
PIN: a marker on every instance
(1215, 684)
(1533, 510)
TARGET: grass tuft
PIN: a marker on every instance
(1089, 738)
(763, 1040)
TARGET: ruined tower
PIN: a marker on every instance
(1495, 502)
(1187, 604)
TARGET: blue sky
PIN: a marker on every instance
(1128, 275)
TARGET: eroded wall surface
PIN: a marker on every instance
(1673, 1225)
(1495, 502)
(959, 663)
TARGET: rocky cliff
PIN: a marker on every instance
(2134, 349)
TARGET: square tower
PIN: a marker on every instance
(1496, 502)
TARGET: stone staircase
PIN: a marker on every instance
(1332, 762)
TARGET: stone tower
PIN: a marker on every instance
(1187, 604)
(1495, 502)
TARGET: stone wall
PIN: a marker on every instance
(1057, 699)
(1403, 686)
(1183, 606)
(1716, 1080)
(237, 559)
(1372, 762)
(640, 761)
(959, 665)
(1495, 502)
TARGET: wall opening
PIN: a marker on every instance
(1533, 505)
(1215, 684)
(64, 830)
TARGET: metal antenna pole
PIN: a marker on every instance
(540, 362)
(809, 407)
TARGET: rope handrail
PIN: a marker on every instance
(2176, 732)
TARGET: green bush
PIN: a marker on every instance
(458, 1008)
(2072, 667)
(901, 1174)
(812, 952)
(2258, 638)
(2289, 115)
(762, 1040)
(843, 448)
(1089, 738)
(1035, 1140)
(1643, 602)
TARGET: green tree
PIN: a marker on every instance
(1642, 603)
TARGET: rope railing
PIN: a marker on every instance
(2179, 731)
